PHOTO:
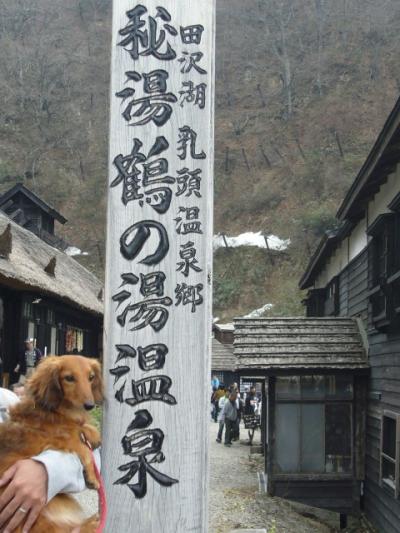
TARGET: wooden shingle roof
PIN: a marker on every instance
(223, 358)
(30, 264)
(286, 344)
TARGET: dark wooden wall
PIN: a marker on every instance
(381, 508)
(335, 496)
(353, 288)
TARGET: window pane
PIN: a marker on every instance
(313, 438)
(288, 388)
(389, 473)
(53, 342)
(287, 444)
(313, 387)
(338, 437)
(389, 437)
(340, 387)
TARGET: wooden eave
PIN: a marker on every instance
(381, 161)
(299, 345)
(324, 250)
(20, 188)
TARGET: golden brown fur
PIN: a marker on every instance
(53, 416)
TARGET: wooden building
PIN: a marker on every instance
(314, 372)
(45, 295)
(223, 362)
(224, 333)
(355, 272)
(25, 208)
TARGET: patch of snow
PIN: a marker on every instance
(251, 239)
(257, 313)
(73, 251)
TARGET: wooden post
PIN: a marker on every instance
(270, 455)
(159, 266)
(269, 249)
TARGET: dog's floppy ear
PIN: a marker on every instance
(44, 385)
(97, 385)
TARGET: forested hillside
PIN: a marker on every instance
(303, 87)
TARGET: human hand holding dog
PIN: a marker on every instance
(25, 495)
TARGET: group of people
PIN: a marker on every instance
(228, 406)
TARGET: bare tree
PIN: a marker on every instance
(278, 16)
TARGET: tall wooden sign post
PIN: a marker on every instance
(159, 261)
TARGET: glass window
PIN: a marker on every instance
(338, 431)
(287, 443)
(313, 387)
(314, 424)
(50, 316)
(31, 330)
(53, 341)
(312, 438)
(27, 310)
(74, 340)
(340, 387)
(288, 388)
(390, 452)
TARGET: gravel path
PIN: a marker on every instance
(236, 503)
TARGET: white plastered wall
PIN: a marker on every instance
(350, 247)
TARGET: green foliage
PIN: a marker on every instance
(273, 529)
(97, 416)
(226, 292)
(239, 274)
(7, 174)
(318, 219)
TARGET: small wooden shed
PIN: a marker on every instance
(223, 363)
(315, 372)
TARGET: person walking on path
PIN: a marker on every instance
(28, 360)
(221, 416)
(230, 417)
(239, 410)
(218, 394)
(251, 402)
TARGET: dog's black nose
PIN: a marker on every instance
(88, 406)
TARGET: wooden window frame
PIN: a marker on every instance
(332, 297)
(50, 317)
(396, 460)
(27, 310)
(379, 288)
(315, 303)
(327, 400)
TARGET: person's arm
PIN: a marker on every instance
(64, 471)
(31, 483)
(20, 362)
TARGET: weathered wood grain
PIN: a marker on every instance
(182, 507)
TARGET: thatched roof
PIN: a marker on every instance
(33, 265)
(292, 344)
(222, 357)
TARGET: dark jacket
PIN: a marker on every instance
(230, 411)
(249, 408)
(22, 360)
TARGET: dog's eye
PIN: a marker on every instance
(91, 377)
(70, 379)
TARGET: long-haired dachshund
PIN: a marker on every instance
(54, 416)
